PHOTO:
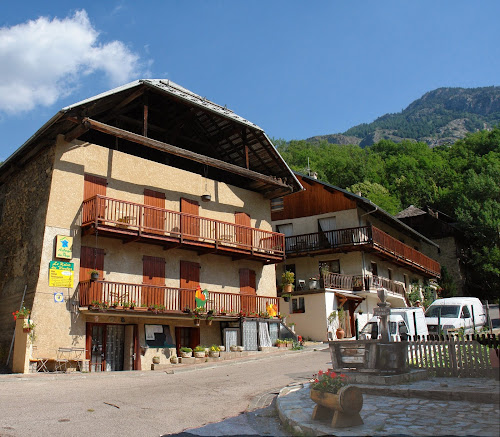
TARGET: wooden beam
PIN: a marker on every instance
(146, 108)
(187, 154)
(76, 133)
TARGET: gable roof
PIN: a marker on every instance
(158, 114)
(411, 211)
(374, 209)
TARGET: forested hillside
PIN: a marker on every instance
(439, 117)
(461, 180)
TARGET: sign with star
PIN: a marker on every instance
(64, 247)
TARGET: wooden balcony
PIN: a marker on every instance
(136, 222)
(174, 300)
(366, 238)
(364, 283)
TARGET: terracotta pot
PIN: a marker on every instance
(287, 288)
(340, 333)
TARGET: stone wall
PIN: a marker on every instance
(24, 196)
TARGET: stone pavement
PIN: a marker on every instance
(397, 415)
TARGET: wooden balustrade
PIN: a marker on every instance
(357, 239)
(359, 283)
(175, 300)
(149, 222)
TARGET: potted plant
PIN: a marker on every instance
(186, 352)
(332, 391)
(286, 297)
(23, 313)
(287, 280)
(94, 275)
(126, 305)
(199, 351)
(340, 315)
(323, 274)
(313, 283)
(214, 351)
(209, 320)
(28, 326)
(233, 348)
(156, 359)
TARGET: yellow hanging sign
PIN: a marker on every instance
(64, 247)
(61, 274)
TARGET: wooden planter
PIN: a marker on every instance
(342, 408)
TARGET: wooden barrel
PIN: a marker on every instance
(348, 400)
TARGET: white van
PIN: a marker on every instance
(404, 324)
(455, 313)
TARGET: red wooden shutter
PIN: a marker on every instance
(248, 290)
(153, 218)
(190, 226)
(189, 279)
(92, 186)
(91, 259)
(153, 273)
(243, 235)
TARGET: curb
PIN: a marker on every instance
(434, 395)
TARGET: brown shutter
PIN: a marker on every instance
(189, 279)
(248, 290)
(190, 226)
(154, 218)
(153, 273)
(91, 259)
(243, 235)
(92, 186)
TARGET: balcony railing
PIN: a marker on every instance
(174, 300)
(149, 223)
(357, 239)
(363, 283)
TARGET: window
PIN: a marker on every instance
(158, 336)
(298, 305)
(277, 204)
(333, 266)
(374, 269)
(465, 312)
(389, 274)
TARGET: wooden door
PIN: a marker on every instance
(92, 258)
(248, 291)
(243, 235)
(92, 186)
(190, 225)
(186, 337)
(153, 273)
(189, 281)
(154, 219)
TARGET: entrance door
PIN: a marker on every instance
(154, 219)
(106, 347)
(190, 224)
(153, 273)
(186, 337)
(189, 282)
(248, 290)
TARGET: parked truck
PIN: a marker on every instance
(404, 323)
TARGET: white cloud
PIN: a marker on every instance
(44, 60)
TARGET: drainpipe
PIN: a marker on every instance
(363, 253)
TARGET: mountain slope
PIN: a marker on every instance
(438, 117)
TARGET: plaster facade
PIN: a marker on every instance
(63, 324)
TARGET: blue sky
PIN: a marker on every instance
(295, 68)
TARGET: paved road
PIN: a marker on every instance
(147, 403)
